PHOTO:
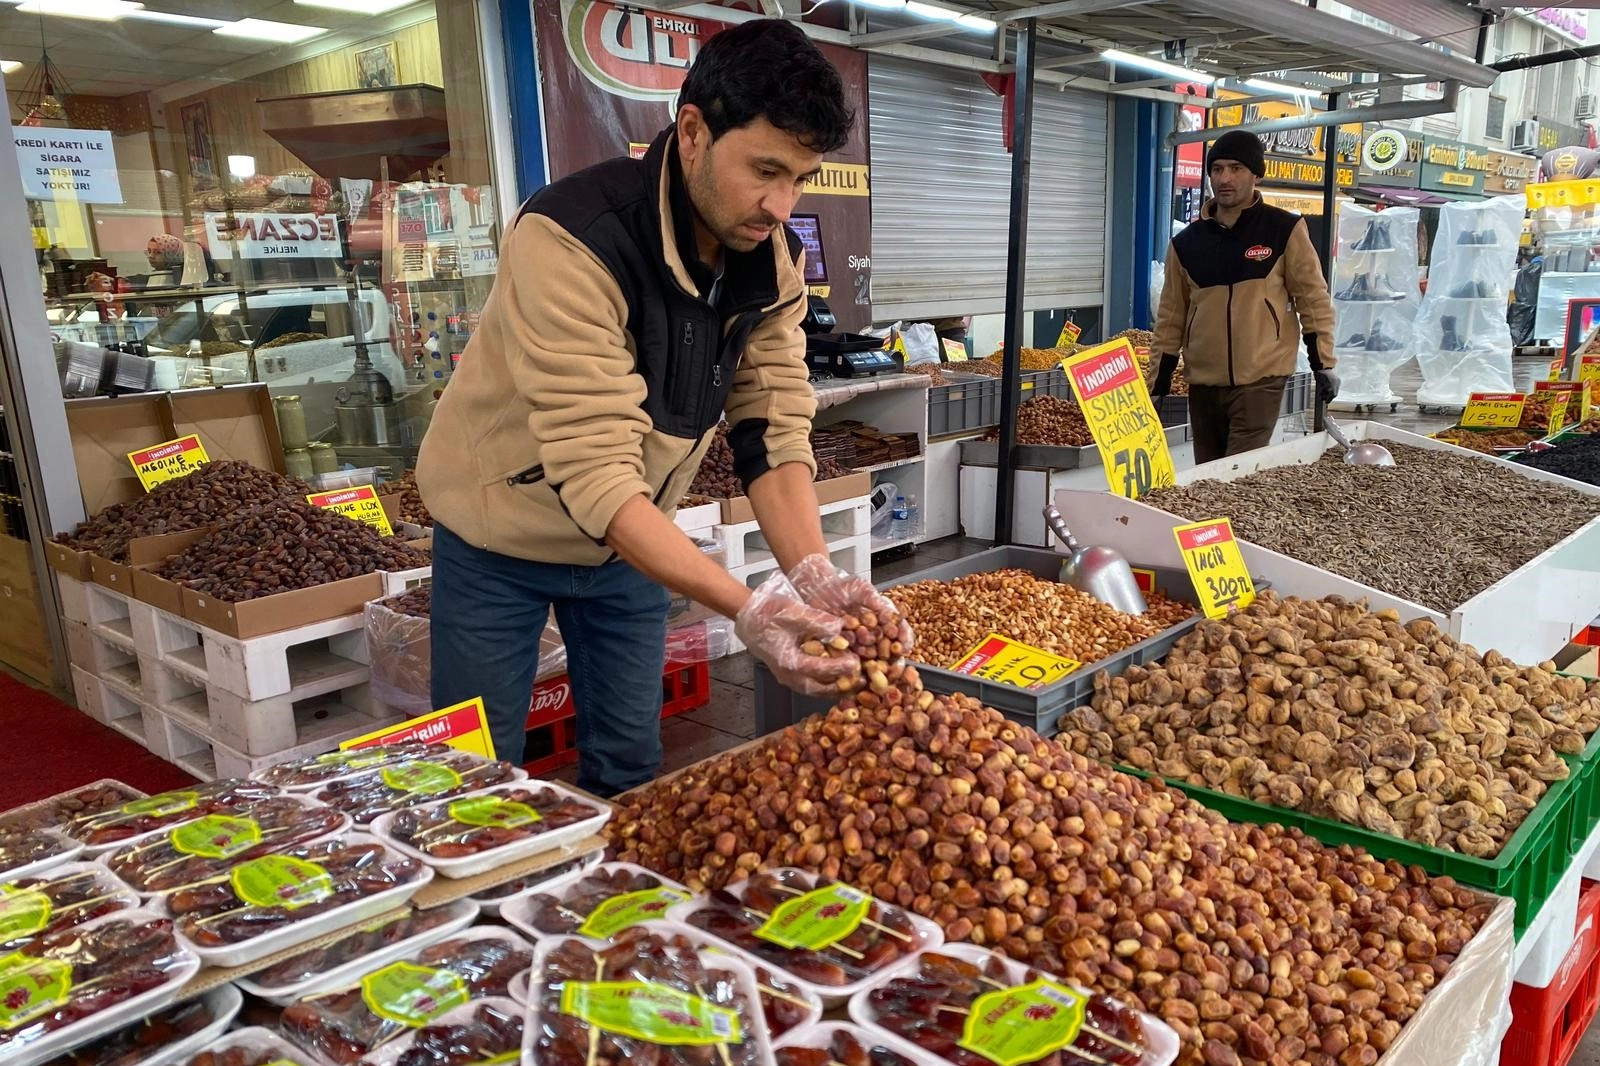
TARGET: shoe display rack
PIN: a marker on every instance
(1462, 336)
(1375, 302)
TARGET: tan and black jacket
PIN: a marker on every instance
(598, 370)
(1226, 304)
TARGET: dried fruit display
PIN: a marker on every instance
(931, 371)
(870, 637)
(602, 903)
(961, 1011)
(493, 1033)
(1013, 841)
(1139, 338)
(166, 810)
(838, 1044)
(1326, 707)
(391, 1001)
(24, 848)
(136, 1043)
(1588, 428)
(950, 618)
(825, 933)
(253, 1046)
(1032, 360)
(486, 821)
(716, 478)
(1486, 441)
(58, 810)
(411, 507)
(417, 602)
(1150, 364)
(528, 882)
(360, 943)
(1577, 459)
(647, 998)
(415, 781)
(1388, 527)
(784, 1004)
(282, 546)
(216, 492)
(214, 844)
(72, 975)
(314, 770)
(272, 893)
(1050, 420)
(67, 895)
(1535, 414)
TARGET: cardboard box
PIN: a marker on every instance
(145, 554)
(118, 577)
(157, 591)
(848, 487)
(284, 610)
(69, 561)
(695, 519)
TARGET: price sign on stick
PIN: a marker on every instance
(1570, 402)
(169, 461)
(1589, 374)
(1011, 662)
(1493, 410)
(1557, 366)
(1215, 566)
(954, 351)
(361, 504)
(1070, 332)
(463, 726)
(1116, 404)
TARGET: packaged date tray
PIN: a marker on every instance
(479, 1033)
(597, 903)
(369, 795)
(252, 1046)
(316, 771)
(61, 897)
(141, 818)
(468, 835)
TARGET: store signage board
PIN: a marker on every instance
(463, 726)
(1116, 404)
(1008, 662)
(67, 166)
(1216, 567)
(1493, 410)
(168, 461)
(263, 235)
(360, 504)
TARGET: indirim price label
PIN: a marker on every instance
(1493, 410)
(168, 461)
(359, 503)
(1116, 405)
(1216, 567)
(1010, 662)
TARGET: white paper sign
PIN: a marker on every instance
(69, 165)
(260, 235)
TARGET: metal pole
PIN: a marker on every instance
(1016, 264)
(1330, 184)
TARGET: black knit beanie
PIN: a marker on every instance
(1242, 147)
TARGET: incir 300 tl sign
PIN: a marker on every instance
(258, 235)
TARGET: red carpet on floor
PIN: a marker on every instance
(50, 747)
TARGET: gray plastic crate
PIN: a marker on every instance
(963, 406)
(1297, 392)
(777, 707)
(1173, 410)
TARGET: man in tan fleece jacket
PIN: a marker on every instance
(636, 304)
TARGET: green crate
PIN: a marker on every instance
(1527, 870)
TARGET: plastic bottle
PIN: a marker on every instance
(899, 520)
(913, 517)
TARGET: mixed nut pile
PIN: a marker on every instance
(1050, 420)
(1487, 441)
(1329, 708)
(1390, 527)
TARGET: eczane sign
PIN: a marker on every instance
(266, 235)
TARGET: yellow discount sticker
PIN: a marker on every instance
(360, 503)
(1215, 566)
(954, 351)
(1010, 662)
(168, 461)
(1589, 374)
(1493, 410)
(1070, 332)
(1116, 404)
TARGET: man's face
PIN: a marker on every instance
(743, 184)
(1232, 183)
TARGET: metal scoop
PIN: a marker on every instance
(1367, 453)
(1101, 572)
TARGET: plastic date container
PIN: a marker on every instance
(490, 907)
(223, 1003)
(513, 774)
(1161, 1043)
(390, 1053)
(461, 914)
(820, 1035)
(925, 935)
(67, 850)
(295, 933)
(341, 764)
(807, 1000)
(16, 929)
(258, 1040)
(516, 850)
(171, 807)
(520, 911)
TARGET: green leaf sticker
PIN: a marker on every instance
(818, 919)
(492, 811)
(420, 776)
(31, 986)
(629, 909)
(23, 912)
(650, 1012)
(354, 760)
(281, 881)
(163, 805)
(216, 836)
(412, 995)
(1017, 1025)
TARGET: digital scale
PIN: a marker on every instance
(830, 354)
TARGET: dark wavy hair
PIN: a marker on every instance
(769, 68)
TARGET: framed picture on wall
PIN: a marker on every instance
(378, 67)
(196, 119)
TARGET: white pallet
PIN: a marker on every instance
(74, 595)
(89, 650)
(297, 663)
(86, 690)
(119, 709)
(743, 545)
(188, 741)
(280, 723)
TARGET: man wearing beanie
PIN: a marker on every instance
(1243, 286)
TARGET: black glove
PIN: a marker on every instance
(1327, 385)
(1163, 382)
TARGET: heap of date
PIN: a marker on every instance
(1256, 944)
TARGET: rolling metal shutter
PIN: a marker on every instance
(941, 188)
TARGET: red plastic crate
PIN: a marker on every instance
(1589, 638)
(1548, 1024)
(552, 723)
(685, 688)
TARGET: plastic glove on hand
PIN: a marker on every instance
(828, 588)
(1163, 382)
(774, 623)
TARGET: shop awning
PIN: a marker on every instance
(1403, 197)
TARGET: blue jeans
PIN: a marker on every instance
(488, 612)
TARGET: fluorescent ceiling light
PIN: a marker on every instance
(1157, 66)
(1280, 88)
(177, 20)
(8, 65)
(267, 30)
(982, 23)
(360, 7)
(102, 10)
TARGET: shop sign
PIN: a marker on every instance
(259, 235)
(1116, 404)
(629, 51)
(1384, 150)
(1554, 134)
(168, 461)
(1452, 167)
(360, 504)
(1191, 172)
(1009, 662)
(1564, 22)
(1399, 170)
(1294, 157)
(1509, 173)
(463, 726)
(839, 179)
(1216, 567)
(72, 166)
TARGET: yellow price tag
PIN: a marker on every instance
(1011, 662)
(1557, 365)
(1116, 404)
(1589, 374)
(1215, 566)
(169, 461)
(1558, 415)
(1493, 410)
(954, 351)
(361, 504)
(1070, 332)
(463, 726)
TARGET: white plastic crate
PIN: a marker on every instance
(744, 546)
(282, 723)
(74, 595)
(300, 662)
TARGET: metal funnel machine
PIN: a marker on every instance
(1101, 572)
(353, 133)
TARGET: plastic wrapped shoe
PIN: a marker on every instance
(1449, 340)
(1376, 239)
(1379, 341)
(1355, 340)
(1381, 289)
(1358, 290)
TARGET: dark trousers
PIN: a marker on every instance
(488, 613)
(1229, 419)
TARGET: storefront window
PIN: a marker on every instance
(316, 216)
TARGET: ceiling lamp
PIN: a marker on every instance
(268, 30)
(99, 10)
(1156, 66)
(40, 99)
